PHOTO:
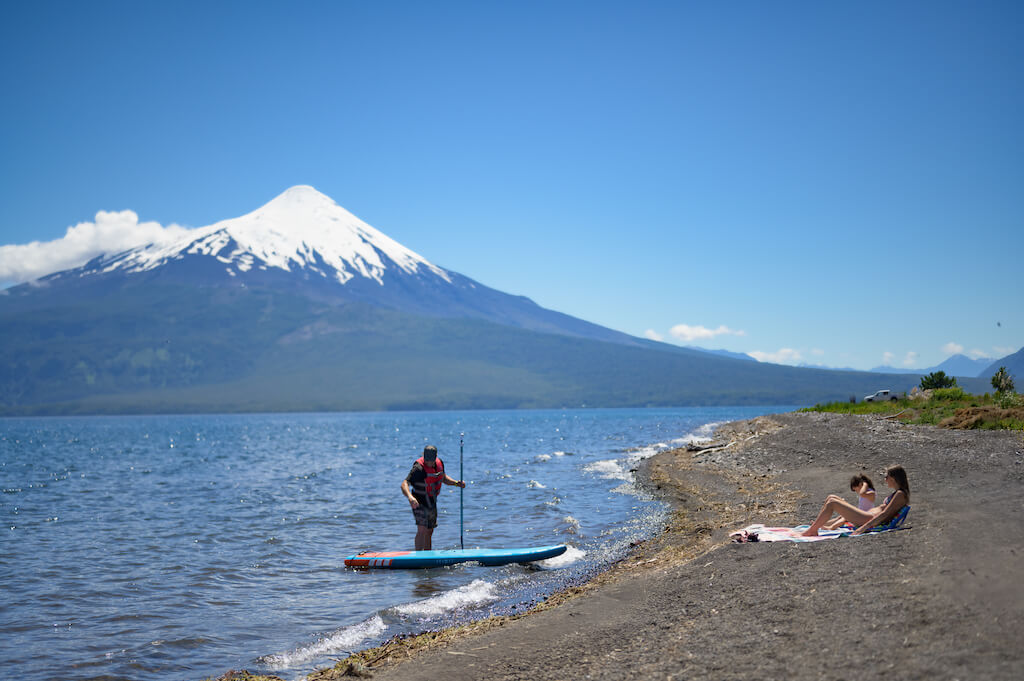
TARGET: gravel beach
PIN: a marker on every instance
(941, 599)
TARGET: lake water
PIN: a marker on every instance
(178, 547)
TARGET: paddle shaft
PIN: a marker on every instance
(462, 543)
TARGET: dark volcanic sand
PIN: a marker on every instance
(940, 600)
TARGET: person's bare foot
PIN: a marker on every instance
(809, 532)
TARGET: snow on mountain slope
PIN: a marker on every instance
(303, 243)
(301, 228)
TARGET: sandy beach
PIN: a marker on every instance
(941, 599)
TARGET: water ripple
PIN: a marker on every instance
(156, 547)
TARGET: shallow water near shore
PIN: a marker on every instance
(182, 546)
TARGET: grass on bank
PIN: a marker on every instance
(946, 408)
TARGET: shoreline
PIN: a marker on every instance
(941, 599)
(695, 524)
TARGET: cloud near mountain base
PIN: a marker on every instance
(780, 356)
(687, 333)
(112, 232)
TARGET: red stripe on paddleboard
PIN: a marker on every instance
(378, 559)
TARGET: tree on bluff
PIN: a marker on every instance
(937, 379)
(1002, 381)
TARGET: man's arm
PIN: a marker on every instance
(408, 494)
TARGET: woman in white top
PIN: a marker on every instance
(865, 491)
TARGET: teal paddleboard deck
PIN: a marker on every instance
(428, 559)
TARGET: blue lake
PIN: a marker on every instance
(178, 547)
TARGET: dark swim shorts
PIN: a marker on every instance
(425, 517)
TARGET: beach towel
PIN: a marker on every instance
(759, 533)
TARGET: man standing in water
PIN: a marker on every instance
(421, 488)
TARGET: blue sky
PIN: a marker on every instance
(827, 183)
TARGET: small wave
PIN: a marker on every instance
(572, 525)
(343, 640)
(533, 484)
(625, 488)
(553, 501)
(476, 592)
(707, 430)
(571, 555)
(547, 457)
(647, 451)
(609, 469)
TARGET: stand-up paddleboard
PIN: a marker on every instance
(429, 559)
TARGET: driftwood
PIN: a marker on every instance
(694, 447)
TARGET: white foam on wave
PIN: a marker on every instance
(610, 469)
(647, 451)
(707, 430)
(547, 457)
(476, 592)
(701, 434)
(344, 640)
(533, 484)
(571, 555)
(572, 525)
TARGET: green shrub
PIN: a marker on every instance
(1002, 381)
(936, 380)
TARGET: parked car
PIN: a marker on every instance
(881, 396)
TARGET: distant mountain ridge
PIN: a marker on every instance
(955, 365)
(301, 306)
(724, 353)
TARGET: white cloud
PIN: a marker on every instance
(688, 334)
(653, 335)
(1004, 350)
(781, 356)
(817, 352)
(978, 354)
(112, 232)
(888, 358)
(910, 359)
(953, 349)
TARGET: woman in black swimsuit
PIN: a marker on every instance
(895, 478)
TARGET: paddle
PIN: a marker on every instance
(462, 543)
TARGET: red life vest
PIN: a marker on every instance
(435, 474)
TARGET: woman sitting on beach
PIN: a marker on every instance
(895, 478)
(862, 486)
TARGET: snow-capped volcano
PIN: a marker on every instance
(303, 243)
(300, 229)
